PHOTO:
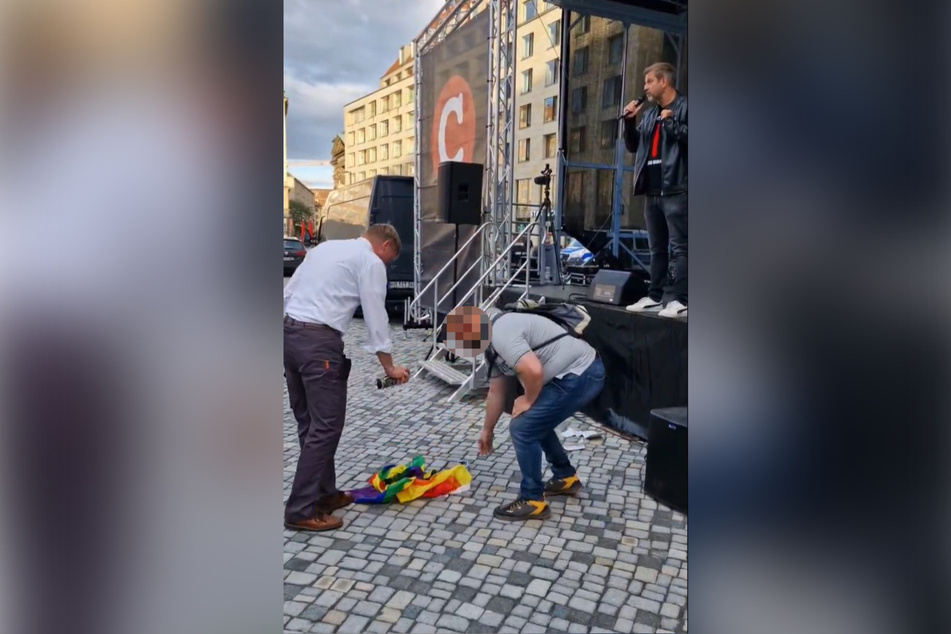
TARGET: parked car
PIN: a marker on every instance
(294, 253)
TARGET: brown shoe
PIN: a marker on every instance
(322, 522)
(331, 503)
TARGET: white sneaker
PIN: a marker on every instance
(644, 304)
(674, 309)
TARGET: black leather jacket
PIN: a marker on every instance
(673, 145)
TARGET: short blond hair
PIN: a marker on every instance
(382, 233)
(663, 70)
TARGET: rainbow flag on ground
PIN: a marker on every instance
(405, 483)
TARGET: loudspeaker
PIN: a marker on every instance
(459, 188)
(666, 477)
(618, 288)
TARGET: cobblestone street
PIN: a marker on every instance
(608, 560)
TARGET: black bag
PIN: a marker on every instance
(572, 317)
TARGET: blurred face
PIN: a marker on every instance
(467, 331)
(653, 86)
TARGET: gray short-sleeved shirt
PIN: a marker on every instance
(514, 334)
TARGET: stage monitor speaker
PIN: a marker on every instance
(618, 288)
(666, 476)
(459, 190)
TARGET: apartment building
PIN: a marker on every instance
(380, 127)
(537, 83)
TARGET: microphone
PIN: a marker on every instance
(638, 102)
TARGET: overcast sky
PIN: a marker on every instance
(335, 51)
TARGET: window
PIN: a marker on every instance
(350, 138)
(398, 124)
(371, 155)
(605, 190)
(350, 159)
(580, 63)
(358, 115)
(579, 99)
(409, 146)
(616, 49)
(528, 45)
(371, 173)
(525, 116)
(551, 109)
(361, 157)
(575, 187)
(526, 81)
(397, 170)
(361, 176)
(410, 95)
(583, 26)
(371, 134)
(523, 188)
(409, 120)
(554, 32)
(408, 169)
(576, 139)
(609, 133)
(524, 150)
(384, 171)
(384, 152)
(397, 149)
(384, 105)
(530, 10)
(372, 107)
(550, 146)
(396, 99)
(362, 135)
(611, 95)
(384, 128)
(551, 72)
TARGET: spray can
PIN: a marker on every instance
(386, 382)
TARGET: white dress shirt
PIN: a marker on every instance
(335, 277)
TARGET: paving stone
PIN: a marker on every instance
(453, 622)
(538, 587)
(585, 605)
(334, 617)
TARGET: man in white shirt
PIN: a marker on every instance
(319, 302)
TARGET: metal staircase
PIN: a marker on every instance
(467, 375)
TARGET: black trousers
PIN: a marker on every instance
(666, 219)
(316, 371)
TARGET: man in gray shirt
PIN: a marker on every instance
(559, 377)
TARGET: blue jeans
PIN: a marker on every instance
(534, 431)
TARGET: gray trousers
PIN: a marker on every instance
(316, 371)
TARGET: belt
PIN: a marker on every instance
(306, 324)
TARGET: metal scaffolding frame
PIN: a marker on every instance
(498, 183)
(499, 168)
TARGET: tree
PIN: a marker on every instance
(300, 212)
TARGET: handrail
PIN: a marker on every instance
(497, 261)
(446, 266)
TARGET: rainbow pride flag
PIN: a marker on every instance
(408, 482)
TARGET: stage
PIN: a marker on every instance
(645, 358)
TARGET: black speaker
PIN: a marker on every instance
(618, 288)
(666, 477)
(459, 188)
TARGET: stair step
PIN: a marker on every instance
(445, 372)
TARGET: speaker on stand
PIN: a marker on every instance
(459, 191)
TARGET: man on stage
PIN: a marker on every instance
(319, 302)
(659, 142)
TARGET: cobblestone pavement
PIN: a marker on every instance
(609, 560)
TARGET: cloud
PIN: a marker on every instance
(335, 52)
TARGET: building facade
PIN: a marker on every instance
(302, 194)
(338, 154)
(380, 127)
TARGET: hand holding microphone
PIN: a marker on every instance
(632, 109)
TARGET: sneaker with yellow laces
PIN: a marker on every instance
(563, 486)
(520, 510)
